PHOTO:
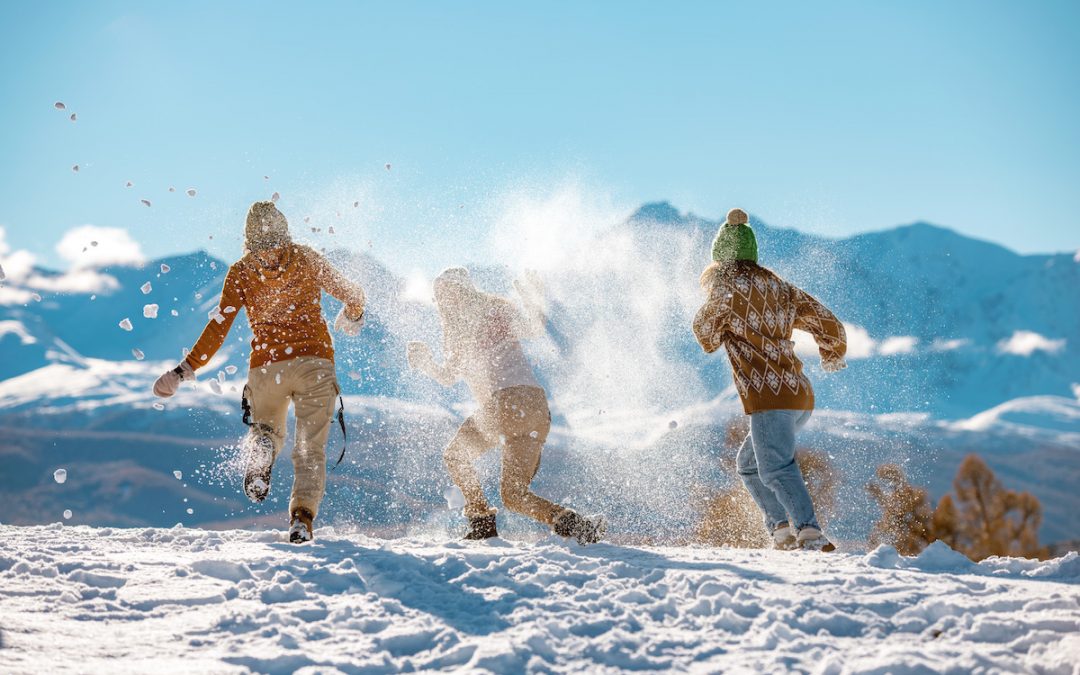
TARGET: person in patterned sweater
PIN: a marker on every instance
(751, 312)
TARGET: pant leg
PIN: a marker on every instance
(773, 434)
(764, 497)
(269, 401)
(465, 448)
(523, 421)
(314, 394)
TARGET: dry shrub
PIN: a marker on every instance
(906, 515)
(983, 519)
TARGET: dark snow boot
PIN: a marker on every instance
(258, 462)
(585, 530)
(482, 527)
(300, 526)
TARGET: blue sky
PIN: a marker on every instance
(833, 118)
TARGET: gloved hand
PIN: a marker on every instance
(351, 327)
(419, 355)
(169, 382)
(833, 365)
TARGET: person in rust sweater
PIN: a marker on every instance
(751, 312)
(280, 284)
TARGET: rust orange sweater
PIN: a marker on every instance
(282, 299)
(752, 312)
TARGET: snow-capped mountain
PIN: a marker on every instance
(956, 346)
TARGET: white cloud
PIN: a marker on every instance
(899, 344)
(90, 246)
(860, 344)
(944, 345)
(76, 281)
(1026, 343)
(17, 265)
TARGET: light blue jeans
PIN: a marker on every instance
(766, 463)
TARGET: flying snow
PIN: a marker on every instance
(75, 168)
(274, 197)
(59, 105)
(231, 370)
(191, 192)
(60, 475)
(146, 202)
(146, 288)
(165, 268)
(126, 324)
(67, 514)
(150, 311)
(138, 354)
(178, 474)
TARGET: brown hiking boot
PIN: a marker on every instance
(301, 526)
(482, 527)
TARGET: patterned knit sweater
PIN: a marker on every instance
(283, 304)
(752, 312)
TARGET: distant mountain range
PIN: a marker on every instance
(957, 345)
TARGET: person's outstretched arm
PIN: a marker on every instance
(712, 320)
(334, 283)
(816, 319)
(213, 336)
(420, 358)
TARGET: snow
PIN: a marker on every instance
(165, 268)
(126, 324)
(241, 601)
(138, 354)
(191, 192)
(146, 288)
(60, 475)
(150, 311)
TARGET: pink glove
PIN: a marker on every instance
(169, 382)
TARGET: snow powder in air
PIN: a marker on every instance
(60, 475)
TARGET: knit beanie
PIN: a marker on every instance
(735, 240)
(266, 227)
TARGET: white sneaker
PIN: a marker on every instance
(812, 539)
(784, 538)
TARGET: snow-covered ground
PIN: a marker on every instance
(79, 599)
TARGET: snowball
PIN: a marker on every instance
(67, 514)
(190, 511)
(137, 353)
(150, 311)
(191, 192)
(60, 475)
(146, 202)
(75, 168)
(158, 406)
(126, 324)
(165, 268)
(178, 474)
(146, 288)
(231, 370)
(59, 105)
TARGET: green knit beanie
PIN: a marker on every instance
(735, 240)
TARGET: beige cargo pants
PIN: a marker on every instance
(517, 418)
(309, 383)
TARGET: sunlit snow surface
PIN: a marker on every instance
(81, 599)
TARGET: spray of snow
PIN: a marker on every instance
(1026, 343)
